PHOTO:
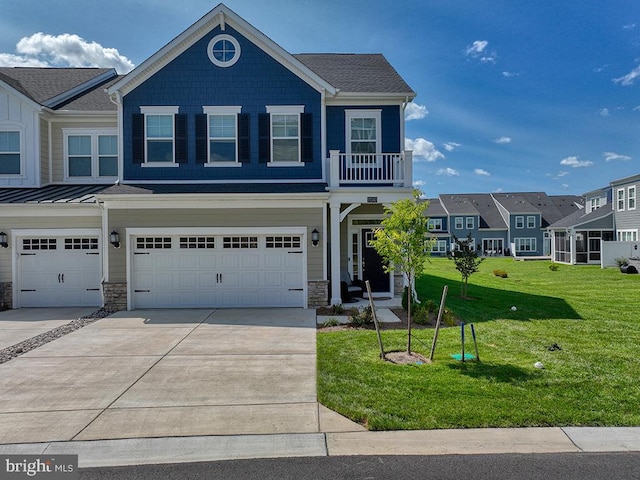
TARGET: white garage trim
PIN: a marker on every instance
(18, 234)
(132, 233)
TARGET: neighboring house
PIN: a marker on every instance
(610, 215)
(501, 223)
(223, 171)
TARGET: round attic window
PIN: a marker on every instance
(223, 50)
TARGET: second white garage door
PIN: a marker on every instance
(218, 271)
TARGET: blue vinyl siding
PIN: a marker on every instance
(191, 81)
(527, 232)
(390, 127)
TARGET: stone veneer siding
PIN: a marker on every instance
(115, 296)
(318, 293)
(6, 296)
(398, 284)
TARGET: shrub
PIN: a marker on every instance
(553, 268)
(337, 309)
(420, 315)
(332, 322)
(364, 316)
(431, 306)
(620, 261)
(448, 317)
(500, 273)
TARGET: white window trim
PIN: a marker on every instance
(458, 221)
(434, 224)
(519, 218)
(632, 232)
(159, 110)
(363, 113)
(630, 189)
(620, 200)
(221, 110)
(518, 242)
(94, 134)
(285, 110)
(436, 248)
(469, 221)
(20, 128)
(236, 45)
(533, 218)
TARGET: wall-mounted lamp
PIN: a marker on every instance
(3, 240)
(315, 237)
(114, 239)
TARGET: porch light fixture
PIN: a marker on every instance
(114, 239)
(315, 237)
(3, 240)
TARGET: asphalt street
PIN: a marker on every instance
(566, 466)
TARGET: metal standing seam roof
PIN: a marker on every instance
(51, 194)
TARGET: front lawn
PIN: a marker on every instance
(592, 314)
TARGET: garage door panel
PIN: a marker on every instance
(232, 271)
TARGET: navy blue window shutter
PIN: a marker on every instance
(306, 134)
(137, 135)
(244, 149)
(181, 138)
(202, 142)
(264, 134)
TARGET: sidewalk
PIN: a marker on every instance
(338, 437)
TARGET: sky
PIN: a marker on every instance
(512, 95)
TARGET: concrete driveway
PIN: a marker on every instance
(158, 373)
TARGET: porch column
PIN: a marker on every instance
(336, 296)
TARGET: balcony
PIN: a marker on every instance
(381, 169)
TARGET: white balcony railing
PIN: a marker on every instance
(371, 169)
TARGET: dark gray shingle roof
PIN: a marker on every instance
(579, 217)
(356, 73)
(44, 84)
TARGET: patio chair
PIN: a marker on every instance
(349, 289)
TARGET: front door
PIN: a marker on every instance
(372, 265)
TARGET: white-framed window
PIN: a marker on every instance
(631, 197)
(90, 154)
(470, 222)
(363, 132)
(10, 151)
(627, 235)
(519, 222)
(620, 198)
(222, 134)
(285, 134)
(594, 203)
(434, 224)
(459, 223)
(159, 134)
(525, 244)
(531, 221)
(223, 50)
(440, 246)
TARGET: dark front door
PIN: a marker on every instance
(372, 266)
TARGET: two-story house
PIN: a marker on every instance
(223, 171)
(627, 214)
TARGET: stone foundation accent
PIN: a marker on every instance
(6, 296)
(398, 284)
(115, 296)
(318, 293)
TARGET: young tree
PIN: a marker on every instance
(403, 243)
(466, 259)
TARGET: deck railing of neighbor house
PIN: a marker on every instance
(370, 169)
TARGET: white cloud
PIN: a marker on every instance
(477, 50)
(611, 156)
(604, 112)
(419, 183)
(631, 26)
(575, 162)
(65, 50)
(449, 172)
(479, 171)
(629, 78)
(562, 174)
(423, 149)
(502, 140)
(451, 146)
(565, 186)
(510, 74)
(415, 111)
(636, 108)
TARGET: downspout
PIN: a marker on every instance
(323, 133)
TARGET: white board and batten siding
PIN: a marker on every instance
(216, 267)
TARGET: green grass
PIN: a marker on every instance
(593, 314)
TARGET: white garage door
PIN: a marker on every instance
(218, 271)
(59, 271)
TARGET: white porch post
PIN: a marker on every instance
(336, 297)
(408, 168)
(334, 168)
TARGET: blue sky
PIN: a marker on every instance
(512, 95)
